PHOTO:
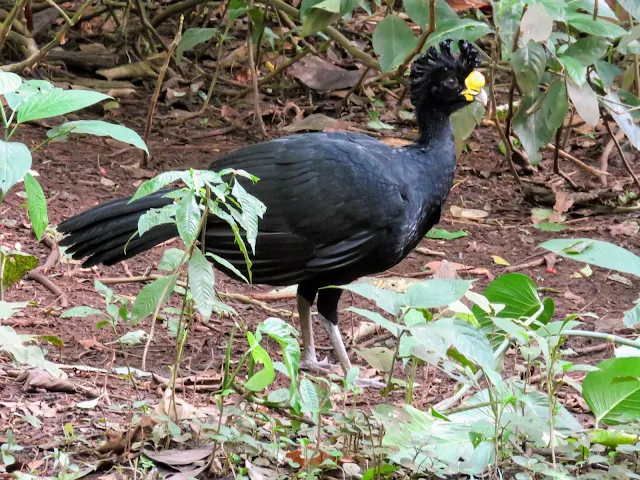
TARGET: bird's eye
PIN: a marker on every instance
(451, 82)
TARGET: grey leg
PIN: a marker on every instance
(309, 361)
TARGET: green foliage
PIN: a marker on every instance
(98, 128)
(529, 64)
(192, 37)
(393, 40)
(202, 283)
(15, 162)
(36, 205)
(14, 265)
(442, 234)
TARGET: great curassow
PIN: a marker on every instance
(339, 205)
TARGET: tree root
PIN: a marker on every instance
(52, 287)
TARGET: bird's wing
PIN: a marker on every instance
(329, 197)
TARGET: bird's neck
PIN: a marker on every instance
(433, 124)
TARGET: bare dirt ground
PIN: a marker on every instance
(73, 177)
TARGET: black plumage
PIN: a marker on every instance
(339, 205)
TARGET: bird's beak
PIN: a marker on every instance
(474, 91)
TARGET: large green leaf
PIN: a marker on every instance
(387, 300)
(188, 216)
(36, 205)
(150, 297)
(596, 252)
(623, 118)
(436, 293)
(574, 69)
(16, 266)
(56, 101)
(588, 50)
(8, 309)
(156, 216)
(202, 283)
(15, 345)
(81, 312)
(157, 183)
(465, 120)
(585, 23)
(393, 40)
(458, 29)
(604, 10)
(262, 378)
(528, 63)
(101, 129)
(15, 162)
(192, 37)
(318, 15)
(613, 392)
(537, 129)
(607, 72)
(418, 11)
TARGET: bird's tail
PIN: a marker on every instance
(107, 233)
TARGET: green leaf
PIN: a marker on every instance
(393, 40)
(585, 23)
(574, 69)
(442, 234)
(518, 294)
(375, 317)
(56, 102)
(436, 293)
(25, 91)
(81, 312)
(465, 120)
(309, 396)
(418, 11)
(156, 216)
(9, 82)
(470, 342)
(588, 50)
(385, 299)
(237, 8)
(586, 102)
(156, 183)
(15, 162)
(202, 283)
(8, 309)
(100, 129)
(537, 129)
(528, 64)
(634, 34)
(607, 72)
(596, 252)
(376, 123)
(36, 205)
(536, 24)
(613, 392)
(458, 29)
(227, 265)
(623, 118)
(265, 377)
(193, 37)
(376, 471)
(15, 346)
(16, 266)
(150, 297)
(319, 15)
(632, 316)
(589, 6)
(188, 216)
(171, 259)
(252, 210)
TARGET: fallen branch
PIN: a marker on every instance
(52, 259)
(428, 251)
(52, 287)
(7, 24)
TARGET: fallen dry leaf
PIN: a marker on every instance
(563, 203)
(627, 229)
(315, 122)
(573, 297)
(106, 182)
(233, 116)
(468, 213)
(318, 74)
(616, 277)
(36, 379)
(500, 261)
(396, 142)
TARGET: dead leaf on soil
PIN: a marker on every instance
(41, 379)
(136, 172)
(90, 343)
(174, 457)
(627, 229)
(107, 182)
(319, 74)
(396, 142)
(468, 213)
(233, 116)
(315, 122)
(563, 203)
(616, 277)
(576, 299)
(457, 267)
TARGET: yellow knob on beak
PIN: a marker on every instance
(474, 83)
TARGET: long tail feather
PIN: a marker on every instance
(107, 233)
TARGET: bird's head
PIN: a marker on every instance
(442, 81)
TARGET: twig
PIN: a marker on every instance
(345, 101)
(621, 153)
(556, 162)
(156, 92)
(62, 12)
(428, 251)
(254, 77)
(52, 259)
(523, 266)
(142, 13)
(593, 171)
(6, 25)
(48, 284)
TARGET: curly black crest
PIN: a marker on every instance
(424, 67)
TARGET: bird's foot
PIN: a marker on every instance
(370, 382)
(313, 365)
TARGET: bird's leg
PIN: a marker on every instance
(328, 310)
(309, 361)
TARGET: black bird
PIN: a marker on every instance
(339, 205)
